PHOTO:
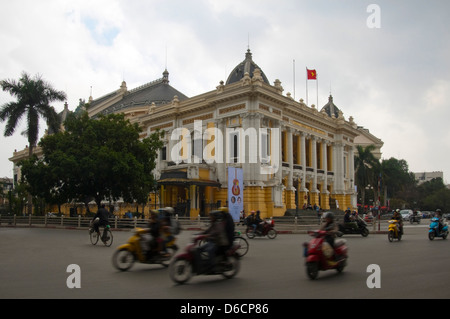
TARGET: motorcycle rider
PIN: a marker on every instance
(154, 226)
(398, 217)
(216, 237)
(330, 227)
(103, 215)
(349, 222)
(258, 220)
(166, 227)
(438, 214)
(229, 225)
(253, 220)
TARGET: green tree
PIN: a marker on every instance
(34, 96)
(434, 194)
(100, 159)
(396, 178)
(365, 163)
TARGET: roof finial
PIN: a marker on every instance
(166, 76)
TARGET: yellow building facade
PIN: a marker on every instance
(292, 155)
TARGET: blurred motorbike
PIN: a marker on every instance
(321, 256)
(192, 261)
(265, 228)
(414, 218)
(361, 228)
(394, 230)
(434, 229)
(134, 251)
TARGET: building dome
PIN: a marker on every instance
(330, 108)
(245, 66)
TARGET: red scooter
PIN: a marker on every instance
(192, 262)
(265, 228)
(321, 256)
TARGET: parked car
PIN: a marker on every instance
(427, 214)
(387, 215)
(405, 214)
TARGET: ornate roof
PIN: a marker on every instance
(158, 92)
(330, 108)
(245, 66)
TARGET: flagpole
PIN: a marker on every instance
(306, 86)
(294, 76)
(317, 91)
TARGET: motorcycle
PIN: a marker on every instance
(394, 230)
(193, 261)
(414, 218)
(344, 228)
(135, 250)
(265, 228)
(321, 256)
(434, 229)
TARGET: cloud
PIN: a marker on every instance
(392, 80)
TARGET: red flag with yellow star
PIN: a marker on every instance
(311, 74)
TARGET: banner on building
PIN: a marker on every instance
(235, 192)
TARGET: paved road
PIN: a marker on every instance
(33, 264)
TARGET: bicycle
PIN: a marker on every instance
(242, 242)
(106, 238)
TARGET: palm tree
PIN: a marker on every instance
(34, 96)
(365, 164)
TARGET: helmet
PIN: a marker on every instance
(216, 214)
(329, 215)
(170, 210)
(224, 209)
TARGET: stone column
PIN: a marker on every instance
(314, 196)
(290, 190)
(221, 152)
(325, 194)
(303, 159)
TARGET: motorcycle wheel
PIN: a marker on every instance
(445, 236)
(391, 236)
(431, 235)
(272, 234)
(171, 250)
(364, 232)
(312, 270)
(180, 270)
(233, 268)
(341, 267)
(123, 259)
(250, 233)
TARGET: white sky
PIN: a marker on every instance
(394, 80)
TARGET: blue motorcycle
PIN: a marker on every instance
(434, 229)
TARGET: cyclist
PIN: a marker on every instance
(102, 215)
